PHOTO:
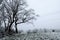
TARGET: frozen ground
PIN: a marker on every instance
(34, 36)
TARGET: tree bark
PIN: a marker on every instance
(16, 28)
(16, 24)
(9, 29)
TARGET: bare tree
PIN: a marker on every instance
(15, 12)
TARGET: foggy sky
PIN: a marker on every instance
(49, 11)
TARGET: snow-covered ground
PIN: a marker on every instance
(34, 36)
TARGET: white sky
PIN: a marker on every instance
(49, 11)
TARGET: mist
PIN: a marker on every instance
(49, 12)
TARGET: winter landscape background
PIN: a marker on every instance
(49, 11)
(45, 27)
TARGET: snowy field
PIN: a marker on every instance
(34, 36)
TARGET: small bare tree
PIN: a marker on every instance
(15, 12)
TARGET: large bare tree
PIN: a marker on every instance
(15, 12)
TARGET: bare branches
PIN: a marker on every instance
(14, 12)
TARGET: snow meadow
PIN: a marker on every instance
(42, 34)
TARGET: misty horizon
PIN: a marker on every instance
(49, 12)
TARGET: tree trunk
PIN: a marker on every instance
(16, 24)
(4, 24)
(9, 27)
(16, 28)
